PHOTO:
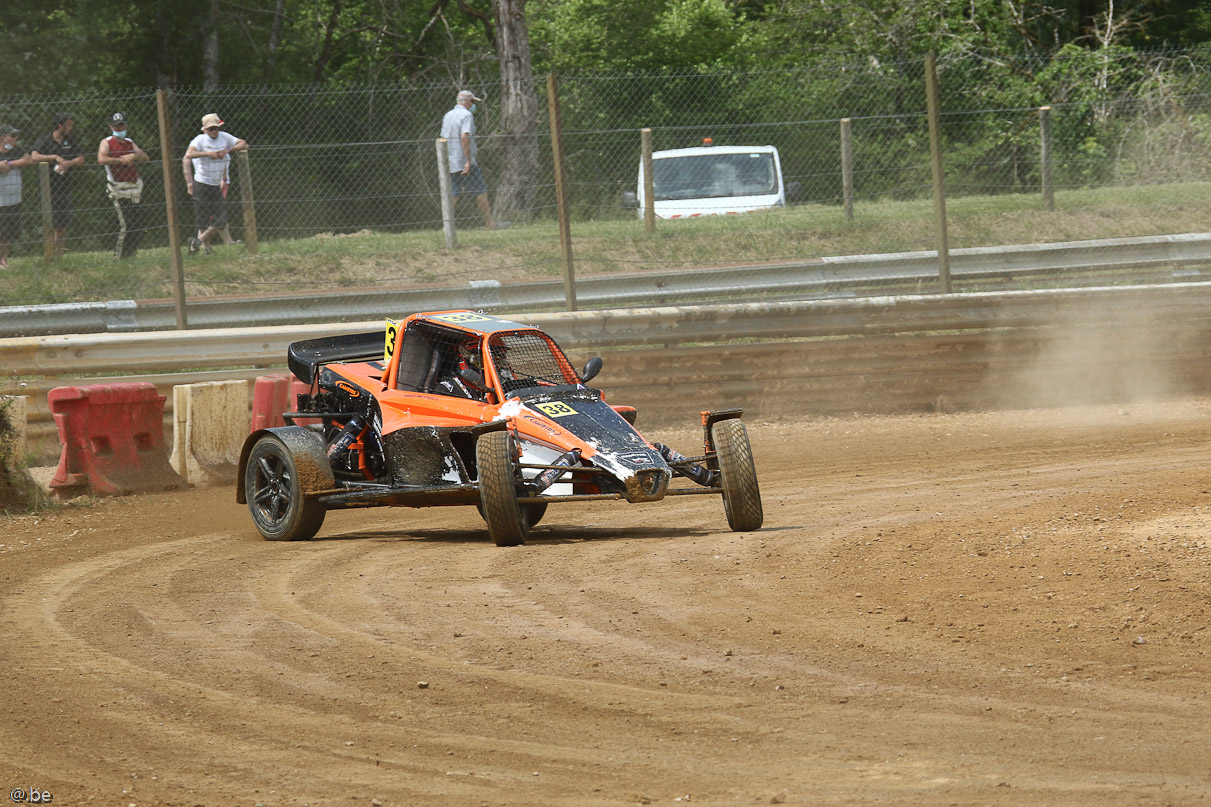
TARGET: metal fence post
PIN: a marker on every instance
(174, 239)
(649, 182)
(561, 192)
(847, 169)
(48, 221)
(443, 182)
(1045, 157)
(935, 153)
(247, 202)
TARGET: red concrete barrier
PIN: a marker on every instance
(270, 398)
(112, 440)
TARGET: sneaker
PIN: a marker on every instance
(206, 248)
(194, 246)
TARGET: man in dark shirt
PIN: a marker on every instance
(59, 149)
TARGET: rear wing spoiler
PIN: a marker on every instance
(305, 357)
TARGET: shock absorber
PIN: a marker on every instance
(547, 478)
(348, 434)
(692, 470)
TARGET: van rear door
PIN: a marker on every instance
(714, 180)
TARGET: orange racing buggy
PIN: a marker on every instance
(462, 408)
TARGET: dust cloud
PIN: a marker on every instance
(1089, 354)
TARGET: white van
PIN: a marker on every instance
(712, 180)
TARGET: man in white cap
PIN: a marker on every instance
(458, 128)
(210, 153)
(118, 153)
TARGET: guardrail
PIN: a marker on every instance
(807, 357)
(125, 353)
(829, 275)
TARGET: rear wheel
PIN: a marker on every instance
(275, 499)
(738, 475)
(496, 457)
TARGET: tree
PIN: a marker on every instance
(518, 110)
(592, 36)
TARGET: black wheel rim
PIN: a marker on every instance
(271, 488)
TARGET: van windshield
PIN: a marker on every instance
(703, 176)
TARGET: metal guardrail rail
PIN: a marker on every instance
(902, 353)
(683, 287)
(122, 354)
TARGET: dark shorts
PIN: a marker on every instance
(209, 206)
(61, 208)
(10, 223)
(469, 184)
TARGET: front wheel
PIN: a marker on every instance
(496, 458)
(275, 499)
(534, 512)
(738, 475)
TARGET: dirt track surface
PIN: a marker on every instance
(1004, 608)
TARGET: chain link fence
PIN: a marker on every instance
(342, 182)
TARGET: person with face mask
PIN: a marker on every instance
(12, 159)
(458, 128)
(59, 149)
(118, 153)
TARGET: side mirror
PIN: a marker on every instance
(630, 201)
(793, 191)
(591, 368)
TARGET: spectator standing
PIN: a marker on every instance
(458, 128)
(187, 171)
(210, 153)
(118, 153)
(14, 159)
(59, 148)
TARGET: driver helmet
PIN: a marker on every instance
(469, 355)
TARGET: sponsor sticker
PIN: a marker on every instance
(348, 389)
(555, 409)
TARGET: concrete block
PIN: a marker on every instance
(210, 422)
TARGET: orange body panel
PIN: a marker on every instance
(401, 410)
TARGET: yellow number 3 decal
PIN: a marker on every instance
(555, 409)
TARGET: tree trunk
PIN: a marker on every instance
(518, 113)
(210, 49)
(321, 62)
(275, 33)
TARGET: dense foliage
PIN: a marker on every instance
(76, 45)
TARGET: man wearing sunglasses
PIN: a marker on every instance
(210, 153)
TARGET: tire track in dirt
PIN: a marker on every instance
(646, 650)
